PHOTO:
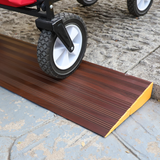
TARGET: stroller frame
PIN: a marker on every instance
(46, 21)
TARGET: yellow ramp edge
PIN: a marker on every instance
(141, 100)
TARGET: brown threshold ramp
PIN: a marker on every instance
(97, 98)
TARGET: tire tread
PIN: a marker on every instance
(44, 44)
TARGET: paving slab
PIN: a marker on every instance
(65, 141)
(51, 141)
(18, 116)
(141, 132)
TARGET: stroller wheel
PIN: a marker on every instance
(87, 2)
(139, 7)
(53, 57)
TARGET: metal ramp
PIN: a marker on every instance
(97, 98)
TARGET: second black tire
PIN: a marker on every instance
(139, 7)
(87, 2)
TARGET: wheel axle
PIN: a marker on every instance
(56, 25)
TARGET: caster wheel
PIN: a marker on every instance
(139, 7)
(53, 57)
(87, 2)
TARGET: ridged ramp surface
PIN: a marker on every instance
(97, 98)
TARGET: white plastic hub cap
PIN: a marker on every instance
(143, 4)
(64, 59)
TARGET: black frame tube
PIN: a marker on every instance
(25, 10)
(49, 11)
(49, 14)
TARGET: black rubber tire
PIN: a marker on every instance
(46, 43)
(133, 8)
(86, 2)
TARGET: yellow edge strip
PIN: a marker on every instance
(141, 100)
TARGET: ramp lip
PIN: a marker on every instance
(147, 92)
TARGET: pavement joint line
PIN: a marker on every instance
(94, 139)
(142, 127)
(142, 59)
(42, 124)
(130, 150)
(156, 88)
(10, 149)
(7, 137)
(37, 127)
(156, 112)
(76, 140)
(15, 138)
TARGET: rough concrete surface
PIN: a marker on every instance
(117, 40)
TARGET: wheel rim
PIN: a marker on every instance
(143, 4)
(64, 59)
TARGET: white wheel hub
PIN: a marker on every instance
(143, 4)
(62, 58)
